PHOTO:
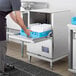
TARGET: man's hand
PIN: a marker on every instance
(28, 32)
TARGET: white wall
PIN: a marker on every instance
(61, 4)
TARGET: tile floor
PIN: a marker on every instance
(61, 66)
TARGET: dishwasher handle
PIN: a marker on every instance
(50, 34)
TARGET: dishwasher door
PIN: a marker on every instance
(26, 39)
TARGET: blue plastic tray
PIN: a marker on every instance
(39, 35)
(35, 34)
(73, 20)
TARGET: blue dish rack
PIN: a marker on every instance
(23, 33)
(39, 34)
(35, 34)
(73, 20)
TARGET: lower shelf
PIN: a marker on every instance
(51, 60)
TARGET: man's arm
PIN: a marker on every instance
(17, 18)
(12, 15)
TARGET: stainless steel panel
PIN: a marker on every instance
(70, 48)
(43, 48)
(73, 49)
(60, 33)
